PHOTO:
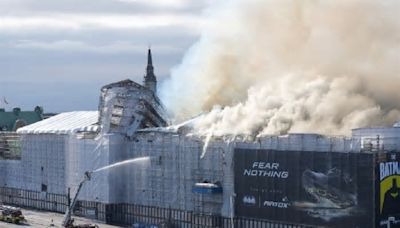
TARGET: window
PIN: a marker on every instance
(44, 188)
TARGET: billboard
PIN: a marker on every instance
(387, 171)
(316, 188)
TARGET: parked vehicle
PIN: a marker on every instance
(11, 214)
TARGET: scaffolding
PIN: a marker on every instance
(10, 146)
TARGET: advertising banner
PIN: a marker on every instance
(387, 190)
(316, 188)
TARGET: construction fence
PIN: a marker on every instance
(31, 199)
(129, 214)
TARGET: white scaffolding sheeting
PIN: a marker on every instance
(87, 155)
(64, 123)
(43, 163)
(55, 162)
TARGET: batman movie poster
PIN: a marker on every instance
(388, 190)
(328, 189)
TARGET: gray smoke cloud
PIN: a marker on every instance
(279, 66)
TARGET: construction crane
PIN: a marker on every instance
(68, 222)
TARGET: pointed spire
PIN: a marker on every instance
(150, 80)
(149, 59)
(149, 68)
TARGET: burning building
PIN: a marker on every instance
(192, 180)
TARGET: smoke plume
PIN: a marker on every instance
(279, 66)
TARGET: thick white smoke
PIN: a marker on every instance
(278, 66)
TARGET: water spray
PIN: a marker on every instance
(68, 221)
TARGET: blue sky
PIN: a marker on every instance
(58, 54)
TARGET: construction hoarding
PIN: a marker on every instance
(387, 193)
(315, 188)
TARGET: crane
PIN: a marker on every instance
(68, 222)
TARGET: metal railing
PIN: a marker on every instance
(129, 214)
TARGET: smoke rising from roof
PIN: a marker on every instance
(279, 66)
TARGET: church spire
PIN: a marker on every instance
(149, 59)
(150, 80)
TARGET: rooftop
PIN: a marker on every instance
(64, 123)
(12, 120)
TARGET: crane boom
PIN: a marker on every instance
(67, 221)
